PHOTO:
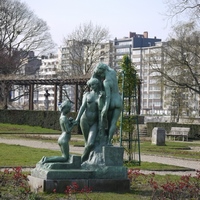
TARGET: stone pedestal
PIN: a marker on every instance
(104, 171)
(158, 136)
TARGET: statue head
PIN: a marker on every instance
(94, 84)
(65, 105)
(92, 81)
(100, 69)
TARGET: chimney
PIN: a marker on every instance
(145, 34)
(132, 34)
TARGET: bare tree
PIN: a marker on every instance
(181, 58)
(84, 49)
(178, 8)
(21, 31)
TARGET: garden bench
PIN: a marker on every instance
(177, 132)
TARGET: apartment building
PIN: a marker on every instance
(139, 47)
(151, 87)
(157, 98)
(30, 65)
(44, 94)
(125, 45)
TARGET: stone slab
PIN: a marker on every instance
(74, 162)
(111, 172)
(36, 184)
(110, 185)
(96, 185)
(62, 174)
(60, 185)
(158, 136)
(113, 156)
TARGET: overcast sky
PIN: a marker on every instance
(120, 17)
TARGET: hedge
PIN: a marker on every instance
(45, 119)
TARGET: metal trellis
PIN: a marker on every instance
(129, 126)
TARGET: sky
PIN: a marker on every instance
(120, 17)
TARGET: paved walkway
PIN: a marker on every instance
(192, 164)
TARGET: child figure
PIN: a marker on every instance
(66, 125)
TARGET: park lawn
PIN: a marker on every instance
(172, 148)
(16, 155)
(20, 129)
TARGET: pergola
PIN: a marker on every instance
(58, 84)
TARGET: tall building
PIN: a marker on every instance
(125, 45)
(30, 64)
(48, 70)
(139, 47)
(151, 87)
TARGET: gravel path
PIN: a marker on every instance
(192, 164)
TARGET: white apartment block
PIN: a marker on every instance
(156, 98)
(151, 89)
(49, 69)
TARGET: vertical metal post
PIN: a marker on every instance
(31, 89)
(60, 93)
(122, 113)
(55, 97)
(76, 97)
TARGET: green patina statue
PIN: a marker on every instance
(88, 116)
(113, 103)
(97, 116)
(66, 125)
(99, 112)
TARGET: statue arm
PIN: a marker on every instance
(66, 126)
(82, 108)
(107, 96)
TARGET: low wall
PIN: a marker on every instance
(194, 132)
(45, 119)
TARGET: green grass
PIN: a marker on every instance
(16, 129)
(95, 196)
(175, 149)
(16, 155)
(151, 166)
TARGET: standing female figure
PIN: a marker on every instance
(88, 117)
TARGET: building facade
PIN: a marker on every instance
(123, 46)
(152, 101)
(44, 94)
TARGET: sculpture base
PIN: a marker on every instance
(104, 171)
(96, 185)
